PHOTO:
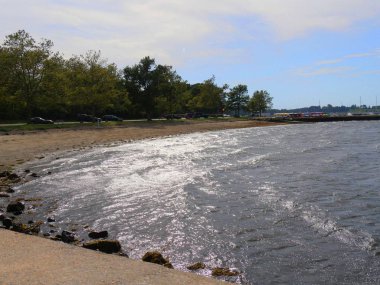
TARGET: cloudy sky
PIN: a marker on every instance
(302, 51)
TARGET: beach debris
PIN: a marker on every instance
(16, 207)
(67, 237)
(196, 266)
(220, 271)
(97, 235)
(107, 246)
(157, 258)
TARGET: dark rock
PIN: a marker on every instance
(4, 195)
(15, 207)
(97, 235)
(27, 171)
(13, 176)
(168, 265)
(30, 222)
(10, 190)
(46, 235)
(57, 238)
(68, 237)
(17, 213)
(197, 266)
(49, 173)
(154, 257)
(2, 217)
(35, 175)
(7, 223)
(50, 220)
(219, 271)
(52, 231)
(107, 246)
(5, 174)
(27, 229)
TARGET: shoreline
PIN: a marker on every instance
(20, 147)
(36, 145)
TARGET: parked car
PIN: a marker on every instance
(172, 116)
(39, 120)
(87, 118)
(111, 118)
(196, 115)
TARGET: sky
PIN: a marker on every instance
(303, 52)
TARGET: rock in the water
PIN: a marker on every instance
(67, 237)
(219, 271)
(35, 175)
(10, 190)
(2, 217)
(7, 223)
(4, 195)
(33, 228)
(5, 174)
(96, 235)
(50, 220)
(107, 246)
(154, 257)
(13, 176)
(197, 266)
(15, 207)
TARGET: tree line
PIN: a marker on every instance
(36, 81)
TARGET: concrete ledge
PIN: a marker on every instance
(32, 260)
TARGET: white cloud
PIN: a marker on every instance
(128, 30)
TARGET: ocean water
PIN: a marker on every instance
(297, 204)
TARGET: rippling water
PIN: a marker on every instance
(292, 204)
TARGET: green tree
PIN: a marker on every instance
(92, 84)
(260, 102)
(148, 83)
(237, 99)
(24, 63)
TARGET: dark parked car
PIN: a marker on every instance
(172, 116)
(88, 118)
(111, 118)
(196, 115)
(39, 120)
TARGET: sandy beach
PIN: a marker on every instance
(32, 260)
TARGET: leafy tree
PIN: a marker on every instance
(260, 101)
(24, 63)
(92, 83)
(237, 99)
(147, 83)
